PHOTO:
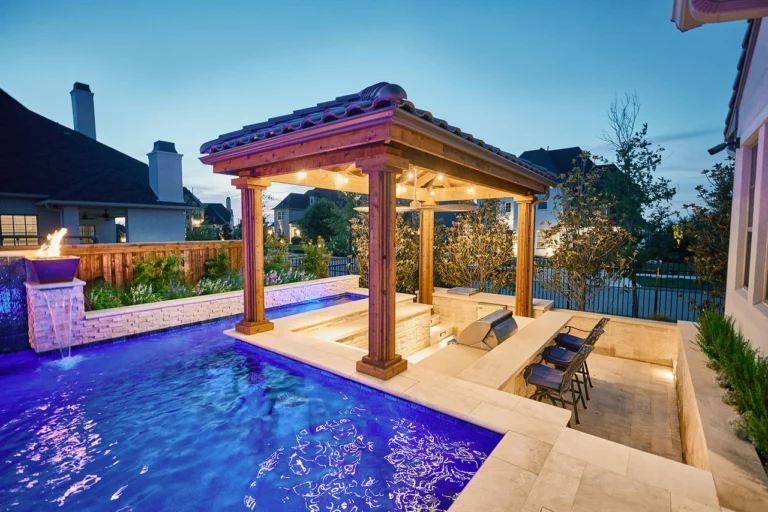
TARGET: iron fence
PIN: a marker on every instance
(658, 290)
(338, 266)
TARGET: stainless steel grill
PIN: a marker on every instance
(489, 331)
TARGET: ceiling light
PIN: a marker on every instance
(346, 179)
(431, 192)
(439, 177)
(301, 175)
(410, 175)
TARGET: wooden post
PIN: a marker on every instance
(525, 235)
(253, 257)
(426, 255)
(382, 360)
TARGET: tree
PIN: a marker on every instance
(341, 243)
(226, 232)
(640, 198)
(476, 250)
(320, 219)
(589, 246)
(708, 231)
(406, 251)
(316, 259)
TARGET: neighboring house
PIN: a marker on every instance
(746, 134)
(557, 161)
(53, 177)
(291, 209)
(196, 214)
(210, 218)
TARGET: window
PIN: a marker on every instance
(542, 206)
(87, 230)
(750, 212)
(507, 207)
(280, 215)
(312, 200)
(18, 230)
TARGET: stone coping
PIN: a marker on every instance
(708, 439)
(75, 283)
(619, 319)
(492, 298)
(105, 313)
(539, 463)
(303, 321)
(503, 363)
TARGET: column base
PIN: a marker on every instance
(246, 327)
(382, 370)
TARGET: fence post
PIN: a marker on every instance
(656, 292)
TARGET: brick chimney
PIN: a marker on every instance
(83, 113)
(165, 172)
(231, 213)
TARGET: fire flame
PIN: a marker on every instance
(53, 248)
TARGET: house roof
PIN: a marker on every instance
(556, 161)
(295, 201)
(747, 45)
(191, 199)
(376, 97)
(39, 157)
(217, 214)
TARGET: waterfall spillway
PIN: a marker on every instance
(60, 310)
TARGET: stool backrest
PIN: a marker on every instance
(594, 335)
(601, 323)
(575, 365)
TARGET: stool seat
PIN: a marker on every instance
(544, 376)
(561, 357)
(569, 342)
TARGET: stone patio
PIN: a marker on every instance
(635, 404)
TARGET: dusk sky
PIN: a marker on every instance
(518, 74)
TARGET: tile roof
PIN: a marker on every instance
(43, 158)
(731, 119)
(375, 97)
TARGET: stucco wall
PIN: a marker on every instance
(108, 324)
(147, 225)
(749, 305)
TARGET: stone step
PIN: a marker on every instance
(439, 332)
(434, 320)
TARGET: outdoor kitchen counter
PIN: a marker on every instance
(501, 367)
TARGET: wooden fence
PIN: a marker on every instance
(114, 262)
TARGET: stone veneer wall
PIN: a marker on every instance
(460, 312)
(95, 326)
(708, 439)
(411, 335)
(631, 338)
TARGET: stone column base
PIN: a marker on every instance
(54, 310)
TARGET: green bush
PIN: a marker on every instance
(296, 240)
(741, 371)
(218, 267)
(316, 259)
(207, 286)
(102, 296)
(140, 294)
(285, 276)
(275, 254)
(158, 271)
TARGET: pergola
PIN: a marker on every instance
(375, 142)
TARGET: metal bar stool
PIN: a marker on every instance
(555, 384)
(574, 343)
(561, 358)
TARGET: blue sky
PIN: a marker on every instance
(518, 74)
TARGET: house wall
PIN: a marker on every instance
(543, 218)
(148, 225)
(282, 228)
(48, 219)
(749, 305)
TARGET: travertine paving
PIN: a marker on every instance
(634, 404)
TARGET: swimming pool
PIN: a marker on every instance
(311, 305)
(192, 419)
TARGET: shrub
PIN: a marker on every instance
(140, 294)
(177, 290)
(158, 271)
(218, 266)
(275, 254)
(102, 296)
(207, 286)
(316, 259)
(741, 371)
(285, 276)
(296, 240)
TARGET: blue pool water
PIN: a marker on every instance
(192, 419)
(311, 305)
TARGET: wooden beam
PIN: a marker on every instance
(382, 360)
(253, 320)
(462, 172)
(526, 216)
(426, 255)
